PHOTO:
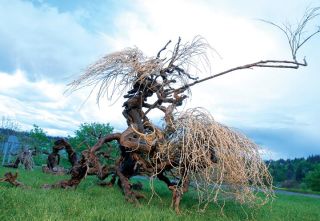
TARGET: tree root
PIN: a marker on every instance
(130, 196)
(12, 179)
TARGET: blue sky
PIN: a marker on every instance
(46, 44)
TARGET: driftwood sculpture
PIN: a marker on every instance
(89, 164)
(54, 157)
(12, 179)
(191, 145)
(24, 158)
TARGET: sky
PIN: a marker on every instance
(45, 44)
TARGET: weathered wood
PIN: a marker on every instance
(54, 157)
(12, 179)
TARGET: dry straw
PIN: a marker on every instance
(114, 74)
(220, 162)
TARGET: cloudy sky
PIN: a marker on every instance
(45, 44)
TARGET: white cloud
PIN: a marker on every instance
(45, 104)
(236, 38)
(44, 42)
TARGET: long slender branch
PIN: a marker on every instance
(263, 63)
(305, 40)
(164, 48)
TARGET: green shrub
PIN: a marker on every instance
(313, 179)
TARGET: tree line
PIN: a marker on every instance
(299, 173)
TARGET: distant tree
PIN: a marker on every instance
(314, 159)
(278, 171)
(9, 124)
(2, 138)
(88, 134)
(281, 162)
(313, 179)
(300, 172)
(39, 140)
(290, 184)
(303, 167)
(8, 127)
(290, 174)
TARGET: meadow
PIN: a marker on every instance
(92, 202)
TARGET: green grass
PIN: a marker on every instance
(92, 202)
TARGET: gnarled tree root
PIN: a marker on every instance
(12, 179)
(78, 173)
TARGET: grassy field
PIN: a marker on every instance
(92, 202)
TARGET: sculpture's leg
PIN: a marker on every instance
(177, 193)
(165, 179)
(78, 173)
(17, 162)
(123, 181)
(12, 179)
(52, 161)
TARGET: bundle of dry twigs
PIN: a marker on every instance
(113, 74)
(218, 160)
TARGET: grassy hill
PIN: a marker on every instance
(92, 202)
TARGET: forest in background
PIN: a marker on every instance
(299, 173)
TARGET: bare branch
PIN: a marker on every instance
(163, 49)
(265, 63)
(296, 36)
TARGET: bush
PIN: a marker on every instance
(88, 134)
(313, 179)
(289, 184)
(39, 140)
(303, 186)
